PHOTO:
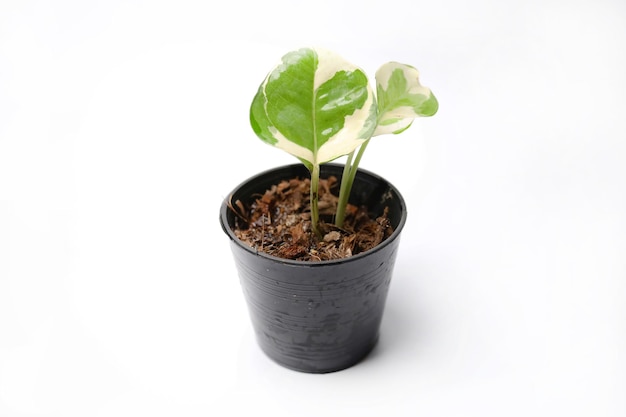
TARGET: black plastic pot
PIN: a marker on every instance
(317, 316)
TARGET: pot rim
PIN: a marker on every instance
(313, 264)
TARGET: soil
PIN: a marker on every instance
(279, 223)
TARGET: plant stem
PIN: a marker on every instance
(343, 195)
(349, 173)
(355, 164)
(315, 216)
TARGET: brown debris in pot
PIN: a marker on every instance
(279, 223)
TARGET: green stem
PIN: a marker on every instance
(343, 195)
(315, 215)
(355, 164)
(346, 183)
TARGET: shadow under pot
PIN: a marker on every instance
(323, 316)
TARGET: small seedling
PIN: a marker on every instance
(318, 107)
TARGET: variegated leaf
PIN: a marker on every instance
(314, 105)
(401, 98)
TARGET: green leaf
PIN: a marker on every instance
(401, 98)
(314, 105)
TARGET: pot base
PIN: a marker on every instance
(319, 366)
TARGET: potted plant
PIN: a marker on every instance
(315, 242)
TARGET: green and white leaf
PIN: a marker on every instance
(314, 105)
(401, 98)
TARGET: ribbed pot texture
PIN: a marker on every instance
(317, 316)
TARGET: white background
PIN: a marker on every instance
(123, 125)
